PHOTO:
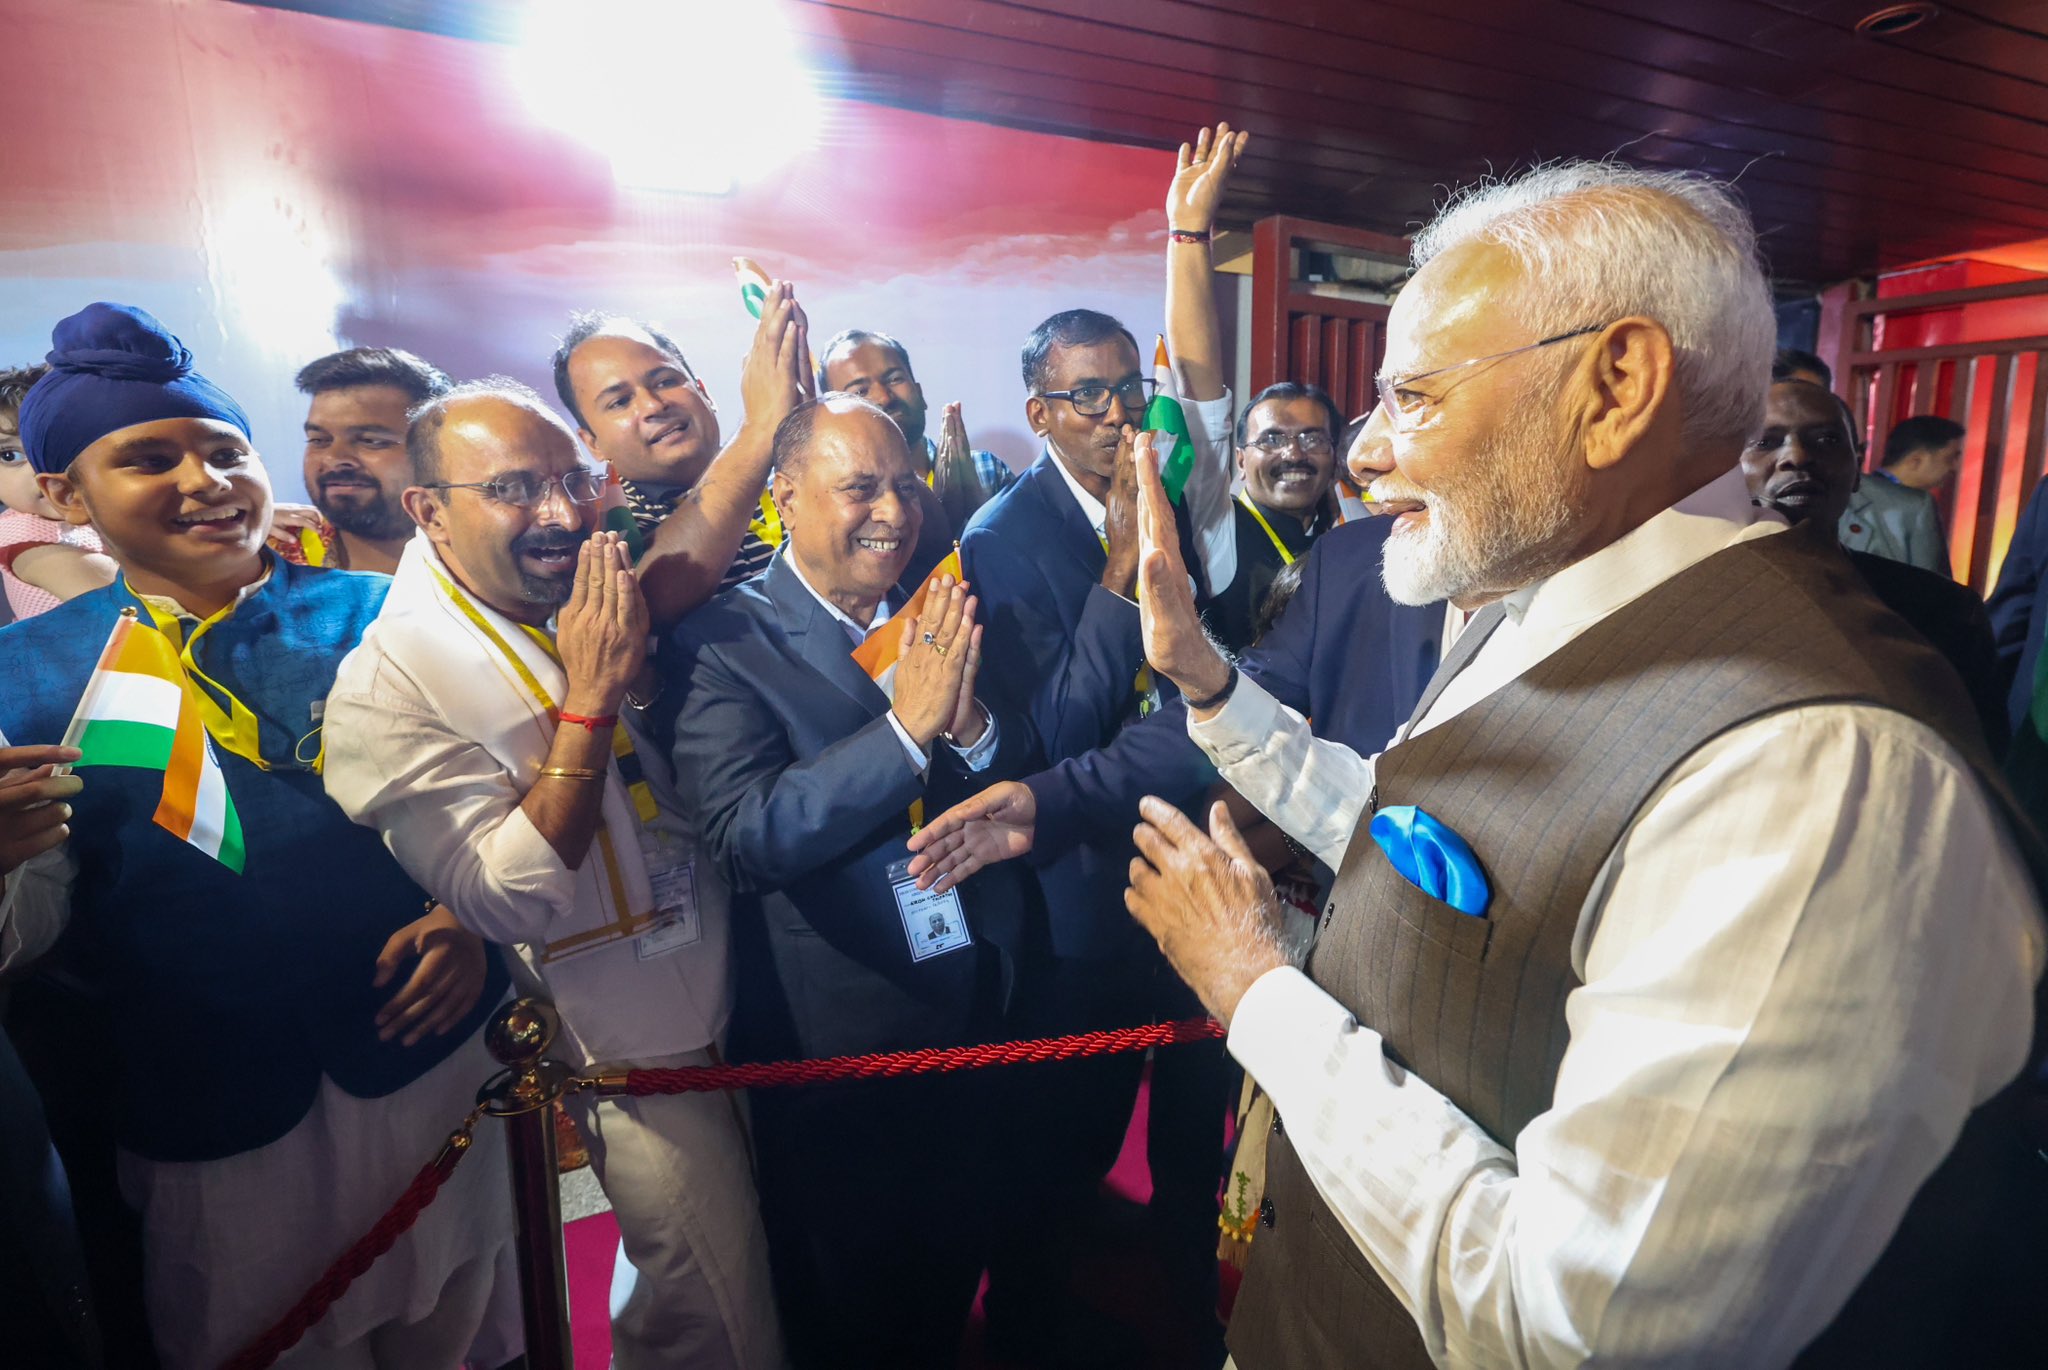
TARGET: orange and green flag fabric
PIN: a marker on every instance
(138, 711)
(877, 652)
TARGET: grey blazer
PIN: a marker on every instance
(1891, 520)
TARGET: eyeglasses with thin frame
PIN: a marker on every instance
(524, 490)
(1310, 442)
(1406, 413)
(1092, 401)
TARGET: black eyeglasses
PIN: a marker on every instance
(1310, 442)
(1092, 401)
(525, 490)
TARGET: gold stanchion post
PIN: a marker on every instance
(523, 1096)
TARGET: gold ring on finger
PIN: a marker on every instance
(939, 647)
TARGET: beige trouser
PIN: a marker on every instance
(441, 1338)
(691, 1289)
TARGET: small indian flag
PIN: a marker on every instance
(136, 711)
(754, 284)
(1164, 415)
(878, 651)
(614, 515)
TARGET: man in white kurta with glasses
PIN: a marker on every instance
(1675, 999)
(479, 728)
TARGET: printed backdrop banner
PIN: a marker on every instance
(274, 185)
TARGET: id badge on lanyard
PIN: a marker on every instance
(672, 881)
(933, 923)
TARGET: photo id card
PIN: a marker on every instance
(674, 886)
(935, 923)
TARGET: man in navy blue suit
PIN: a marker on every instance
(1055, 559)
(807, 776)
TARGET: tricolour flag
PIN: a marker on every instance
(878, 651)
(615, 515)
(137, 711)
(1164, 415)
(754, 284)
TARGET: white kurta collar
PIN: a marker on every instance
(1717, 515)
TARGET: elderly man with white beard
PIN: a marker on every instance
(1673, 1000)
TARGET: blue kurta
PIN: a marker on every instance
(230, 995)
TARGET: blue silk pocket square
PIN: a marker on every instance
(1433, 858)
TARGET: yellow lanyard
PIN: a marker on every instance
(233, 724)
(768, 527)
(1286, 557)
(622, 742)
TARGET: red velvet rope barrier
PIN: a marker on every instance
(335, 1280)
(332, 1284)
(690, 1079)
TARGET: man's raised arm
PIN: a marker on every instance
(693, 546)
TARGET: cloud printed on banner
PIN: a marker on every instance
(303, 183)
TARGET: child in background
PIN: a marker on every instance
(43, 561)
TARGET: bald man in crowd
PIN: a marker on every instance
(479, 728)
(808, 774)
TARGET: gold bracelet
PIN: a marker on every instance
(572, 772)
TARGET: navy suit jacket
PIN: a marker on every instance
(1064, 653)
(2019, 611)
(802, 791)
(1343, 654)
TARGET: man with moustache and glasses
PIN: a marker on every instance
(1287, 452)
(356, 468)
(479, 728)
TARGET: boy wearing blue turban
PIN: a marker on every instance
(272, 1094)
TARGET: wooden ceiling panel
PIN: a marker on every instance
(1855, 153)
(1433, 153)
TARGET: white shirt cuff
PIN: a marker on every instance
(1281, 1030)
(1240, 730)
(918, 759)
(982, 752)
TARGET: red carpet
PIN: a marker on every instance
(1126, 1282)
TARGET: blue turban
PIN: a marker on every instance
(113, 366)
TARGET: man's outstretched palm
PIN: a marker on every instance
(996, 825)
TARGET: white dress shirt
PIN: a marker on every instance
(1793, 995)
(976, 756)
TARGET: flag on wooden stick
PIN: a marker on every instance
(138, 711)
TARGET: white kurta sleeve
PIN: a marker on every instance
(1206, 500)
(1787, 1013)
(448, 811)
(1315, 790)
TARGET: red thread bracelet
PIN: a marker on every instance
(593, 724)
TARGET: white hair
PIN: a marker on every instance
(1600, 241)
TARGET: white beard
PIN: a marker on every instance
(1492, 531)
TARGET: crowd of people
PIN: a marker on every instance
(1602, 862)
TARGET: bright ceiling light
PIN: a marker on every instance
(679, 95)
